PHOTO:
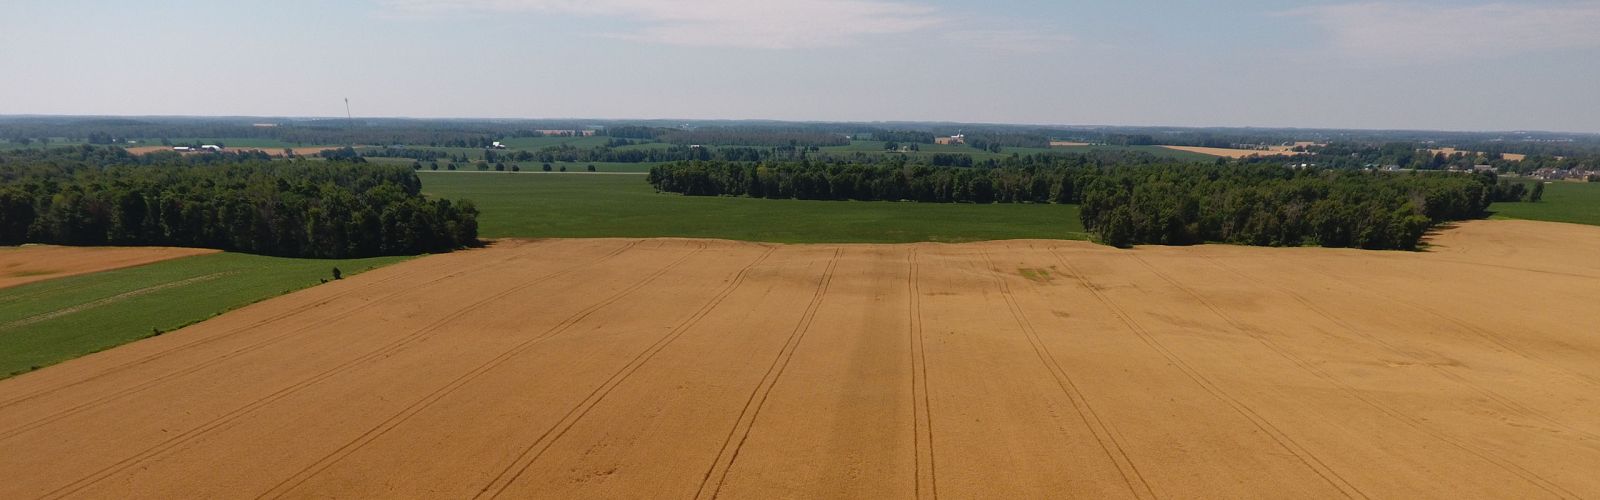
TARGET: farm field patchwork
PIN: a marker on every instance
(47, 322)
(580, 206)
(1016, 369)
(30, 263)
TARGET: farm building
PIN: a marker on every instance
(566, 133)
(954, 139)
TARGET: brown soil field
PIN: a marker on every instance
(30, 263)
(1067, 144)
(304, 151)
(1019, 369)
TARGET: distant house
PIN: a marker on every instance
(182, 149)
(954, 139)
(212, 148)
(497, 145)
(1483, 168)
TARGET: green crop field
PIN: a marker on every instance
(1575, 202)
(52, 321)
(582, 206)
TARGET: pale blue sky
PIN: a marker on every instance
(1437, 64)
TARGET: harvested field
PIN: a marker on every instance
(1019, 369)
(1067, 144)
(30, 263)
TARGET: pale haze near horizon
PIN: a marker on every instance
(1390, 65)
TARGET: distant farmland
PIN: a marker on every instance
(538, 206)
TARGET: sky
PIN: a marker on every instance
(1438, 65)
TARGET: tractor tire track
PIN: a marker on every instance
(927, 479)
(306, 473)
(1288, 444)
(382, 352)
(1103, 434)
(530, 454)
(758, 395)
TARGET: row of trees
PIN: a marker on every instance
(1139, 200)
(807, 180)
(1274, 206)
(296, 209)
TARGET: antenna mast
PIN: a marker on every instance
(350, 120)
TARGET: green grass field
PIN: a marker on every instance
(1575, 202)
(583, 206)
(48, 322)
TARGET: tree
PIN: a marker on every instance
(563, 168)
(591, 167)
(1538, 192)
(450, 166)
(338, 275)
(1118, 230)
(516, 168)
(499, 167)
(547, 167)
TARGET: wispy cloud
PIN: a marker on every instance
(1013, 40)
(721, 23)
(1409, 32)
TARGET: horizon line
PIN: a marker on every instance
(809, 121)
